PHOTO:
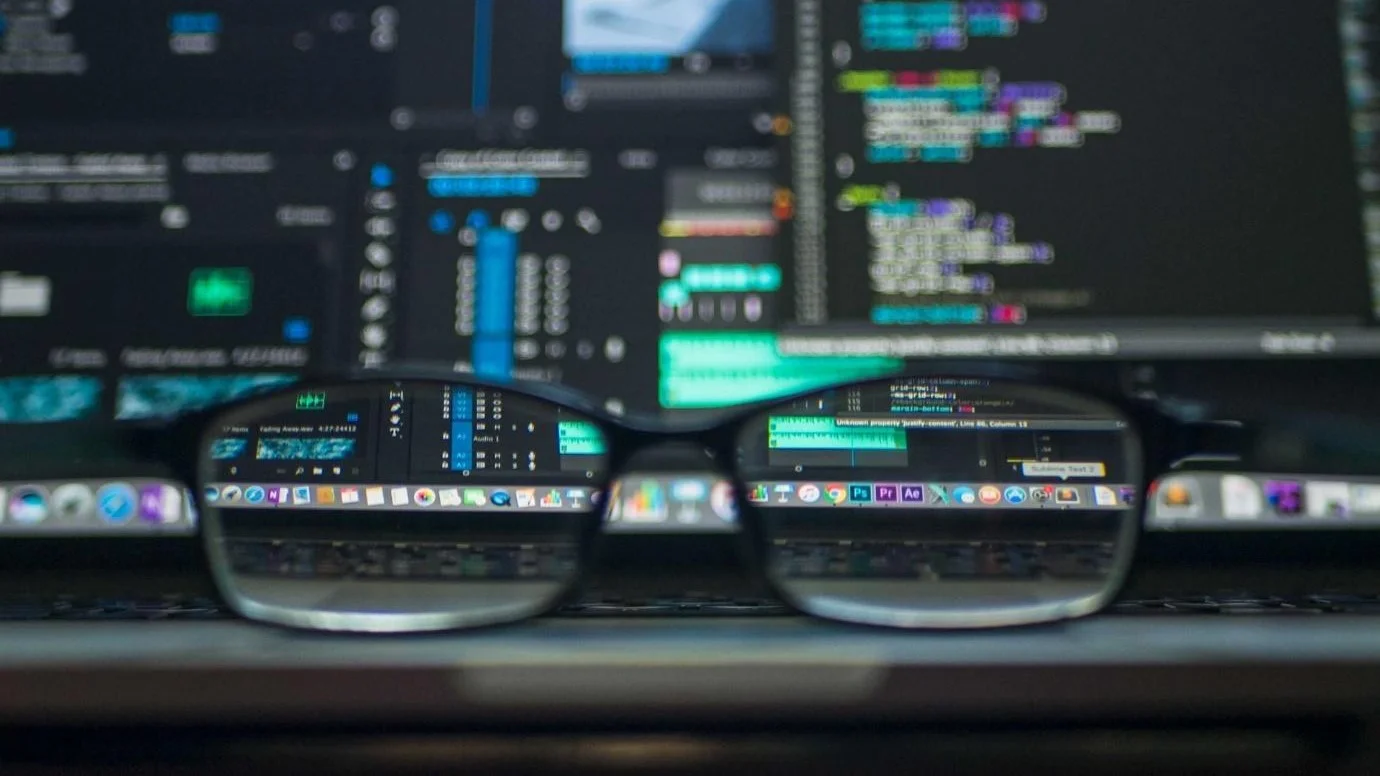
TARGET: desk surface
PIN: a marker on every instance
(678, 670)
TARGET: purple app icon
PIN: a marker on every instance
(151, 503)
(1285, 496)
(277, 495)
(886, 493)
(913, 494)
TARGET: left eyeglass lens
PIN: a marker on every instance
(398, 506)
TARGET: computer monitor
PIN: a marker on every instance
(674, 205)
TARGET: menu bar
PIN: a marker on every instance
(95, 507)
(940, 495)
(394, 498)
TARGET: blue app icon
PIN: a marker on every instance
(442, 222)
(965, 495)
(297, 330)
(860, 492)
(500, 498)
(254, 494)
(117, 502)
(1016, 495)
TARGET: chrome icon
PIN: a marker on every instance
(837, 493)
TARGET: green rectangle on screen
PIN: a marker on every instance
(578, 437)
(707, 370)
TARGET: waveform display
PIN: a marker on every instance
(822, 433)
(48, 399)
(164, 396)
(944, 116)
(800, 424)
(928, 248)
(578, 437)
(706, 370)
(942, 26)
(220, 292)
(305, 449)
(228, 449)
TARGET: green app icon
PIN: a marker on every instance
(220, 292)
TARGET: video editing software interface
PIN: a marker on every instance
(673, 205)
(402, 447)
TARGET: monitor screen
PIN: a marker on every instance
(673, 206)
(1082, 177)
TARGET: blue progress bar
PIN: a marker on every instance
(483, 53)
(496, 279)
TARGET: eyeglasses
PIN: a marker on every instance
(417, 504)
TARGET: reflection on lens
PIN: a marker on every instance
(399, 506)
(945, 502)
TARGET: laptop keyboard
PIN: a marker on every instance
(176, 607)
(1319, 603)
(808, 559)
(171, 607)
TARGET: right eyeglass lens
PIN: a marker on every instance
(945, 502)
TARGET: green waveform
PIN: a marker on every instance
(800, 423)
(839, 439)
(706, 370)
(220, 292)
(578, 437)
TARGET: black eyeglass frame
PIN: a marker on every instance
(1161, 440)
